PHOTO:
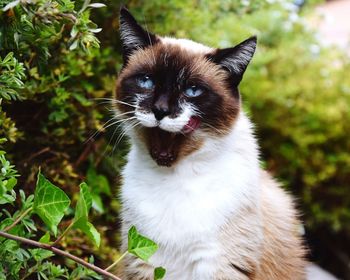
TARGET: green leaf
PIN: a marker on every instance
(98, 183)
(11, 183)
(9, 56)
(50, 202)
(81, 220)
(84, 202)
(97, 203)
(90, 231)
(7, 198)
(159, 273)
(139, 245)
(45, 238)
(40, 254)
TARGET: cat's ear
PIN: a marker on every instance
(132, 35)
(236, 59)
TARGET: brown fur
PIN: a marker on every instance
(270, 246)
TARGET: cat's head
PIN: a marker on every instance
(175, 93)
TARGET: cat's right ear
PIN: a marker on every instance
(235, 60)
(132, 35)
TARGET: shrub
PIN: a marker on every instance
(50, 204)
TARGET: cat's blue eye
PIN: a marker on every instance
(193, 91)
(145, 82)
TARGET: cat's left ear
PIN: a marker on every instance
(132, 35)
(236, 59)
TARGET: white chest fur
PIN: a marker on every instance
(183, 208)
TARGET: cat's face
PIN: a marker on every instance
(177, 92)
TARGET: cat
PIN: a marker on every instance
(192, 182)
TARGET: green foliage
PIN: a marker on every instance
(159, 273)
(11, 75)
(143, 248)
(98, 185)
(140, 246)
(50, 203)
(7, 180)
(80, 220)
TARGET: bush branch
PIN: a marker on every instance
(61, 253)
(19, 218)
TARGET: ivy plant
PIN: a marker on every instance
(50, 203)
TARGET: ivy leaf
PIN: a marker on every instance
(80, 220)
(139, 245)
(45, 238)
(159, 273)
(50, 202)
(90, 231)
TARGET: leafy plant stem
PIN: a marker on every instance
(30, 272)
(63, 234)
(117, 261)
(20, 217)
(61, 253)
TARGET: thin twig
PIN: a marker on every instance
(117, 261)
(19, 218)
(61, 253)
(31, 271)
(63, 234)
(42, 151)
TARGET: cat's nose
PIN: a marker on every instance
(160, 112)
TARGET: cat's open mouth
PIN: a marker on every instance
(165, 146)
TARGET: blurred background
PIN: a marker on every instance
(59, 59)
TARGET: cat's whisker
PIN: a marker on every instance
(123, 114)
(219, 131)
(113, 121)
(98, 131)
(121, 123)
(116, 101)
(126, 129)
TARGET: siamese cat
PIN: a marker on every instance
(192, 182)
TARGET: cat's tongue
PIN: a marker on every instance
(192, 125)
